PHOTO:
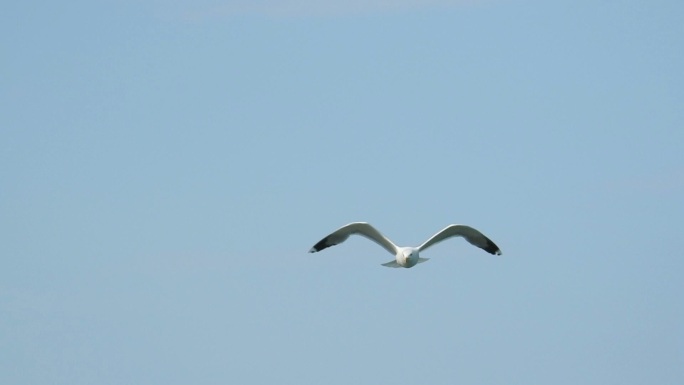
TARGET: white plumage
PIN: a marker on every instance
(406, 256)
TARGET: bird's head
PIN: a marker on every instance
(409, 254)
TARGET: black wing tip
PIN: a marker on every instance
(322, 244)
(492, 248)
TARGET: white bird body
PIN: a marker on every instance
(406, 256)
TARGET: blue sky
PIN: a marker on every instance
(167, 165)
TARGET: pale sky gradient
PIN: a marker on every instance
(166, 166)
(311, 8)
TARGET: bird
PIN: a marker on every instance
(406, 257)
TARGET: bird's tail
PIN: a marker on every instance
(392, 263)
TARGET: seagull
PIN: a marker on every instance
(406, 256)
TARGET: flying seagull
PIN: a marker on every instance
(406, 256)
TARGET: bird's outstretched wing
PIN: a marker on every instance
(361, 228)
(471, 235)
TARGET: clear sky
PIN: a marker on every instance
(166, 165)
